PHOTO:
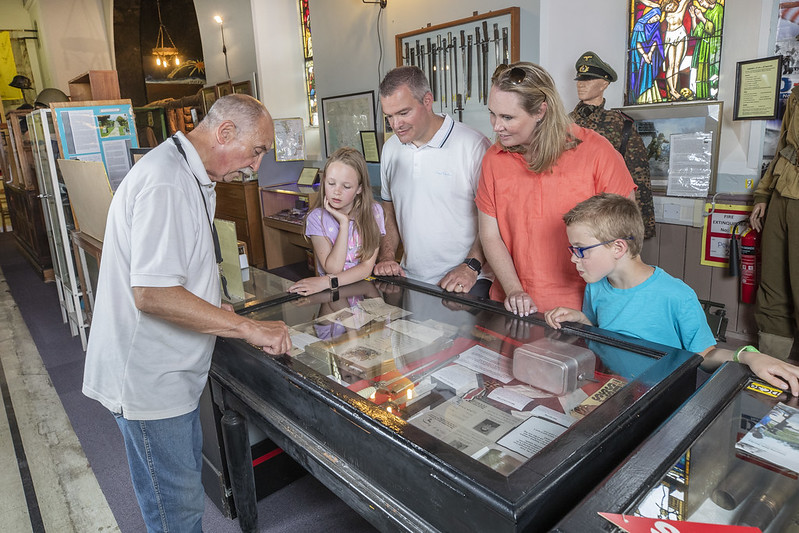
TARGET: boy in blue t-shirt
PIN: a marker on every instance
(627, 296)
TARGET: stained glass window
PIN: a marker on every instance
(307, 46)
(674, 50)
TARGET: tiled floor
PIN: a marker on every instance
(62, 462)
(46, 483)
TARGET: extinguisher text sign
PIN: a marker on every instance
(723, 222)
(717, 232)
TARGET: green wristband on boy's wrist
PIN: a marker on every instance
(748, 348)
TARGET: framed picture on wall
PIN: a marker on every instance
(289, 139)
(243, 87)
(224, 88)
(209, 97)
(344, 117)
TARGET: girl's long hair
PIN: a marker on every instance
(551, 136)
(362, 212)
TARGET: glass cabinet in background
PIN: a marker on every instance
(58, 221)
(415, 405)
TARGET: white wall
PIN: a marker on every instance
(238, 27)
(14, 17)
(73, 38)
(553, 33)
(346, 51)
(279, 56)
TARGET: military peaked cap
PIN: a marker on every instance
(591, 66)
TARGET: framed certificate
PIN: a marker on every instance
(757, 89)
(308, 176)
(369, 146)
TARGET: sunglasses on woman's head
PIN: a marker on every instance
(515, 76)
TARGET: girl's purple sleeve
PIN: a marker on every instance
(313, 224)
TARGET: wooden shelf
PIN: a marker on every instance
(239, 202)
(95, 85)
(284, 241)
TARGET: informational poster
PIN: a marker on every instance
(690, 164)
(717, 231)
(104, 132)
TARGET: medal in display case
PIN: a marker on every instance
(402, 399)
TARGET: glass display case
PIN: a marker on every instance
(698, 466)
(58, 221)
(427, 410)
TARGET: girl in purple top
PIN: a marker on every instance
(343, 257)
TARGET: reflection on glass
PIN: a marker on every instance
(465, 376)
(714, 482)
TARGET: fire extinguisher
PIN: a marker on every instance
(743, 260)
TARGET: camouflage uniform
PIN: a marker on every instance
(610, 123)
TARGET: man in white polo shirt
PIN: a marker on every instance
(158, 308)
(429, 173)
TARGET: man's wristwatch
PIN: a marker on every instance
(474, 264)
(333, 283)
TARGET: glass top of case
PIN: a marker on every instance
(259, 285)
(496, 388)
(730, 475)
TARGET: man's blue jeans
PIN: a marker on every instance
(165, 459)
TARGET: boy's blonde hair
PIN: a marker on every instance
(363, 204)
(611, 217)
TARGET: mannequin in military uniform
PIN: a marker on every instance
(777, 198)
(593, 77)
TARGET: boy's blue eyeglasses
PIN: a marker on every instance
(579, 251)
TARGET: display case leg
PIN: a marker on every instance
(242, 477)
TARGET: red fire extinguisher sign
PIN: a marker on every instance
(716, 231)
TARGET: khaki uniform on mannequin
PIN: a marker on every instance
(593, 77)
(778, 294)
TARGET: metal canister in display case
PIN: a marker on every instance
(552, 365)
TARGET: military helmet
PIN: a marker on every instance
(50, 95)
(21, 82)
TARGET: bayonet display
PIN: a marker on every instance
(447, 62)
(455, 64)
(444, 71)
(450, 67)
(469, 68)
(496, 45)
(485, 62)
(505, 56)
(477, 46)
(430, 65)
(433, 78)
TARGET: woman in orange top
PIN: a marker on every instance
(541, 165)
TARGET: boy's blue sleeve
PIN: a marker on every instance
(692, 326)
(588, 307)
